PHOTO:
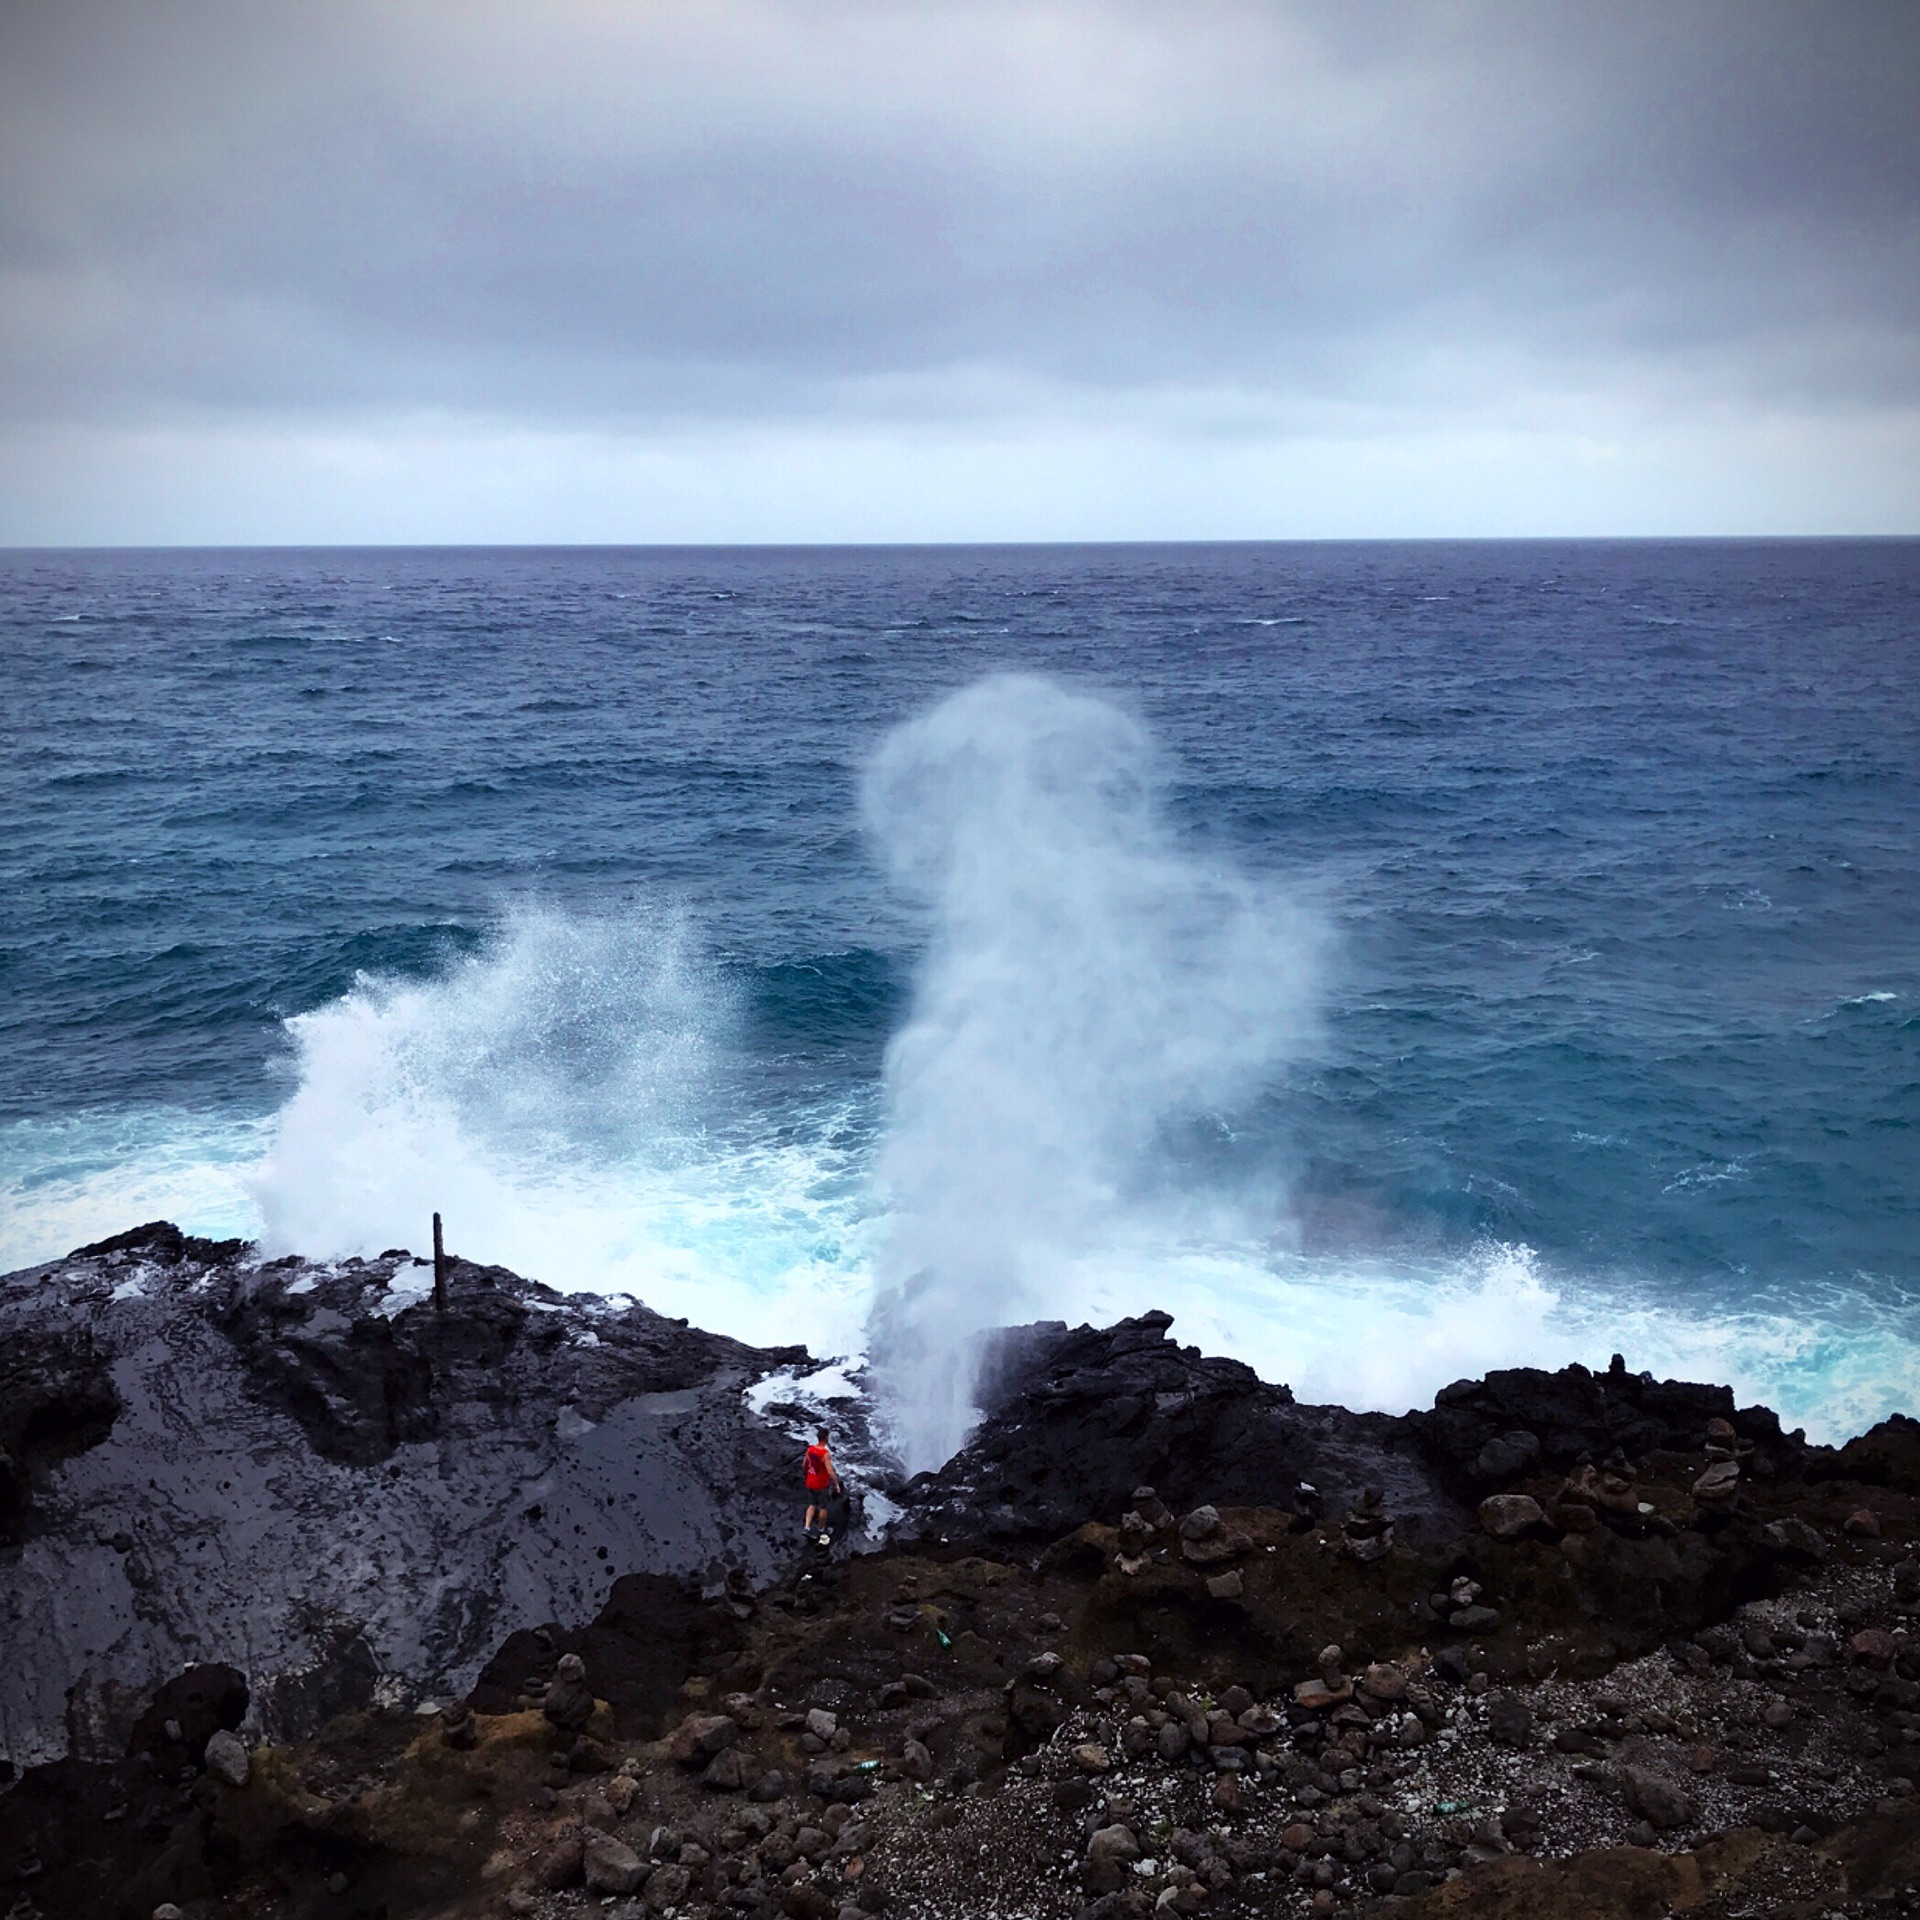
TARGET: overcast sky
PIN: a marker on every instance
(759, 269)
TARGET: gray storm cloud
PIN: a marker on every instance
(1201, 223)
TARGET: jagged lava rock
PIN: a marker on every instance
(1489, 1433)
(305, 1470)
(1078, 1419)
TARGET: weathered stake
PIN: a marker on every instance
(439, 1269)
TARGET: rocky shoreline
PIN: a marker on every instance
(319, 1602)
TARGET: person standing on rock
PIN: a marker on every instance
(822, 1482)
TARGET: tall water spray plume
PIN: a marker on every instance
(1088, 983)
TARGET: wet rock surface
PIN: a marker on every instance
(1461, 1672)
(1079, 1418)
(307, 1472)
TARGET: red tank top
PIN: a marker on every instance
(819, 1469)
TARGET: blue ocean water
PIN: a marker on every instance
(532, 885)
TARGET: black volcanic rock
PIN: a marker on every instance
(1081, 1418)
(57, 1398)
(305, 1471)
(161, 1242)
(1888, 1455)
(1489, 1433)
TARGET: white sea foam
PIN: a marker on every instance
(66, 1182)
(555, 1098)
(813, 1390)
(1388, 1333)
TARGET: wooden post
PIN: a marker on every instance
(439, 1269)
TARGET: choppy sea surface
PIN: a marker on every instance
(1394, 960)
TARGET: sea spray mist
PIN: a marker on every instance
(1087, 983)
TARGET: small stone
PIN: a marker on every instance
(726, 1772)
(771, 1786)
(166, 1910)
(1043, 1667)
(1110, 1857)
(1475, 1619)
(1201, 1524)
(1661, 1801)
(915, 1761)
(1719, 1486)
(1509, 1720)
(227, 1758)
(337, 1883)
(1228, 1794)
(667, 1887)
(822, 1724)
(1510, 1516)
(1873, 1647)
(1617, 1494)
(609, 1865)
(1226, 1586)
(1091, 1757)
(1384, 1681)
(1316, 1696)
(1073, 1795)
(568, 1702)
(1863, 1523)
(699, 1737)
